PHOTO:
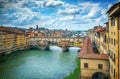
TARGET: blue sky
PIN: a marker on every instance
(54, 14)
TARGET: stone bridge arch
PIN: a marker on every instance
(99, 75)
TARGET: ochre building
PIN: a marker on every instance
(93, 65)
(114, 40)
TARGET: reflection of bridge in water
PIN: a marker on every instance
(45, 42)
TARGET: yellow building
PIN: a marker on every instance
(91, 34)
(92, 65)
(64, 43)
(41, 34)
(56, 33)
(107, 38)
(114, 40)
(98, 38)
(7, 42)
(11, 40)
(21, 41)
(102, 41)
(77, 44)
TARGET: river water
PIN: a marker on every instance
(37, 64)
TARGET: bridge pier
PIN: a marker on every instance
(40, 47)
(65, 49)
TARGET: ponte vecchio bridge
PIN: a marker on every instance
(64, 42)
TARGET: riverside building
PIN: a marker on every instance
(108, 41)
(114, 40)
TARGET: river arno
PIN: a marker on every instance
(36, 64)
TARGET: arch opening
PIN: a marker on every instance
(99, 75)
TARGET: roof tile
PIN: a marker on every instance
(88, 53)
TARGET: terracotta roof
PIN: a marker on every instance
(88, 53)
(86, 48)
(95, 56)
(101, 31)
(9, 29)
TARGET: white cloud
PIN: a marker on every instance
(85, 5)
(69, 11)
(92, 8)
(24, 15)
(110, 5)
(68, 15)
(53, 3)
(66, 18)
(14, 3)
(40, 3)
(103, 11)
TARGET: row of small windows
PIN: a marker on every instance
(113, 22)
(112, 33)
(112, 56)
(100, 66)
(112, 41)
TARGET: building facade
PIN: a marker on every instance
(12, 40)
(7, 42)
(97, 70)
(21, 41)
(93, 65)
(91, 34)
(103, 47)
(100, 40)
(114, 40)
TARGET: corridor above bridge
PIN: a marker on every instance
(62, 42)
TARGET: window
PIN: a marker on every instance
(119, 23)
(111, 55)
(111, 68)
(111, 41)
(114, 58)
(114, 42)
(100, 66)
(85, 65)
(113, 22)
(105, 39)
(114, 73)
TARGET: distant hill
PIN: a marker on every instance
(18, 28)
(42, 28)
